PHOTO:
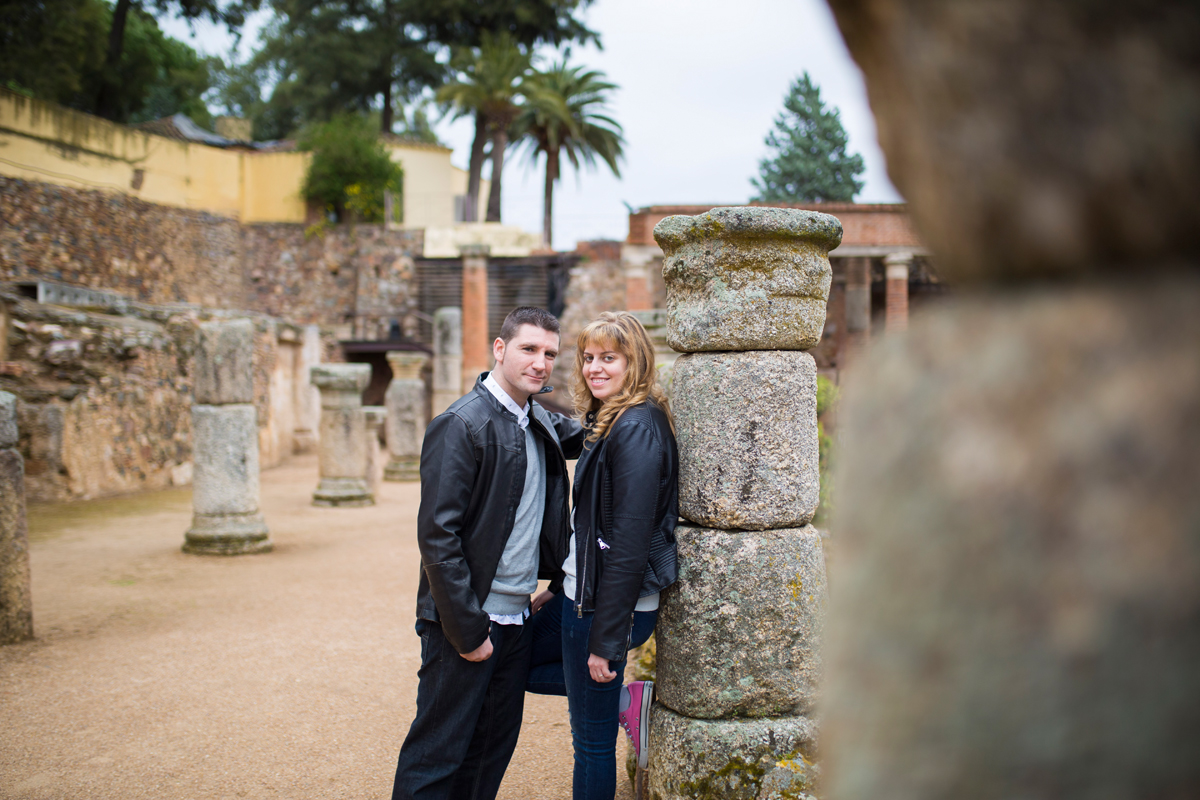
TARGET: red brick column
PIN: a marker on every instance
(858, 309)
(896, 266)
(476, 346)
(637, 288)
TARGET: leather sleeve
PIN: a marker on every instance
(570, 435)
(448, 471)
(634, 462)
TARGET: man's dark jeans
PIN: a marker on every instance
(468, 717)
(559, 667)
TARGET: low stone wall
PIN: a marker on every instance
(103, 401)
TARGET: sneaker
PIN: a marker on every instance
(634, 716)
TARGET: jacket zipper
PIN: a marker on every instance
(580, 587)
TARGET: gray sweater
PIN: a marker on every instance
(516, 577)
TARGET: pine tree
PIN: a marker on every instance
(808, 159)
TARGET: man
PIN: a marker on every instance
(493, 519)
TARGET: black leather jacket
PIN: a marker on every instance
(472, 476)
(626, 496)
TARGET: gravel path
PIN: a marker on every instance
(285, 675)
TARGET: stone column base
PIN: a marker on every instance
(343, 493)
(227, 535)
(729, 759)
(409, 470)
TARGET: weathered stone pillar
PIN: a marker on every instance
(16, 603)
(374, 418)
(896, 268)
(343, 439)
(447, 358)
(476, 346)
(227, 520)
(406, 416)
(1018, 531)
(307, 397)
(739, 633)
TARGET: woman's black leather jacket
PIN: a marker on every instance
(626, 508)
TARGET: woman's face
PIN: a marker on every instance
(604, 369)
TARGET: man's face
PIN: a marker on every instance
(524, 364)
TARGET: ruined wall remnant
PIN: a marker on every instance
(343, 440)
(225, 425)
(16, 602)
(739, 633)
(405, 415)
(1017, 603)
(447, 358)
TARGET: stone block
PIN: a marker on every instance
(726, 759)
(227, 520)
(1018, 551)
(746, 424)
(225, 469)
(16, 601)
(8, 420)
(406, 424)
(739, 633)
(340, 384)
(747, 278)
(225, 362)
(374, 417)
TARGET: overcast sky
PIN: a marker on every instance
(701, 82)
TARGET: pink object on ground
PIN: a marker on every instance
(634, 716)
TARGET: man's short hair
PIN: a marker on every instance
(528, 315)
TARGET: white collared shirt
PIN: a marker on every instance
(522, 414)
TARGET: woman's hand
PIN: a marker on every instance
(599, 668)
(540, 599)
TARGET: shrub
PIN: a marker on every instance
(350, 168)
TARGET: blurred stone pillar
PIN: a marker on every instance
(16, 602)
(406, 421)
(739, 633)
(374, 418)
(225, 478)
(307, 397)
(858, 308)
(896, 267)
(476, 346)
(343, 440)
(447, 358)
(1018, 524)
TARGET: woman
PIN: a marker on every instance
(622, 554)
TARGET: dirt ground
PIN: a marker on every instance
(290, 674)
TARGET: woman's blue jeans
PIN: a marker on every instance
(558, 666)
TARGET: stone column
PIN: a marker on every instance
(858, 308)
(307, 397)
(447, 358)
(476, 346)
(16, 603)
(896, 268)
(227, 520)
(343, 438)
(374, 418)
(739, 633)
(406, 416)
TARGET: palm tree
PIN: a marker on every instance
(489, 87)
(565, 111)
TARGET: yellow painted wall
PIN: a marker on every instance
(43, 142)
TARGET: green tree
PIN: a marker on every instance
(807, 158)
(565, 113)
(55, 51)
(350, 168)
(489, 86)
(231, 13)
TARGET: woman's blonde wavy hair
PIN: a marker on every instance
(621, 331)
